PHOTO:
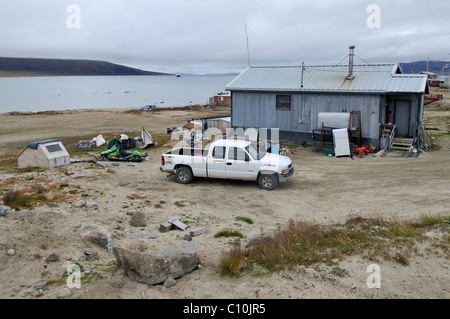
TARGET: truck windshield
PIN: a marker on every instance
(255, 152)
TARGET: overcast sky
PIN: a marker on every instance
(209, 36)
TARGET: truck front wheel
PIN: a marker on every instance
(184, 175)
(267, 181)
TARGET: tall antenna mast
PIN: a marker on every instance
(248, 51)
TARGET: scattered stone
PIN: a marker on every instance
(177, 223)
(91, 256)
(138, 219)
(169, 282)
(40, 285)
(353, 213)
(197, 231)
(97, 235)
(174, 221)
(142, 235)
(11, 252)
(79, 203)
(154, 269)
(100, 164)
(5, 210)
(185, 237)
(90, 205)
(165, 227)
(52, 257)
(64, 293)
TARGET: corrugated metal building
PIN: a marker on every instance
(291, 97)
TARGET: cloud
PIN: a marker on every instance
(208, 36)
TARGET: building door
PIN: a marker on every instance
(402, 116)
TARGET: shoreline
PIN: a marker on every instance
(20, 128)
(199, 106)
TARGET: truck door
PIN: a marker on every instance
(239, 164)
(216, 163)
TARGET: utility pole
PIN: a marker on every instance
(248, 50)
(412, 67)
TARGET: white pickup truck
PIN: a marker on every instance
(228, 159)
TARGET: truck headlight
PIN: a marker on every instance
(286, 170)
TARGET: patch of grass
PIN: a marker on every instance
(7, 163)
(245, 219)
(433, 147)
(158, 206)
(434, 220)
(397, 231)
(91, 277)
(228, 233)
(179, 204)
(232, 262)
(31, 169)
(301, 243)
(183, 203)
(134, 196)
(111, 266)
(402, 259)
(17, 200)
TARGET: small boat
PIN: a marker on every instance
(148, 107)
(178, 75)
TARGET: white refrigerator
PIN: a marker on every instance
(341, 142)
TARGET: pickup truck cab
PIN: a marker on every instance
(228, 159)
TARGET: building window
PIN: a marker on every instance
(284, 102)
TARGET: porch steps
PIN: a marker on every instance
(404, 144)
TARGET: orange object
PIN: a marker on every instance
(363, 149)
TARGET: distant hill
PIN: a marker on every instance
(421, 66)
(42, 67)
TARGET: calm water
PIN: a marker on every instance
(79, 92)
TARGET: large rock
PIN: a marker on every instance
(5, 210)
(138, 219)
(154, 269)
(97, 235)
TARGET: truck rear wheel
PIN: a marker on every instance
(268, 181)
(184, 175)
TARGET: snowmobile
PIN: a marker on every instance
(117, 151)
(119, 154)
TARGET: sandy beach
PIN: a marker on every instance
(322, 191)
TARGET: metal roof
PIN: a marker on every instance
(368, 78)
